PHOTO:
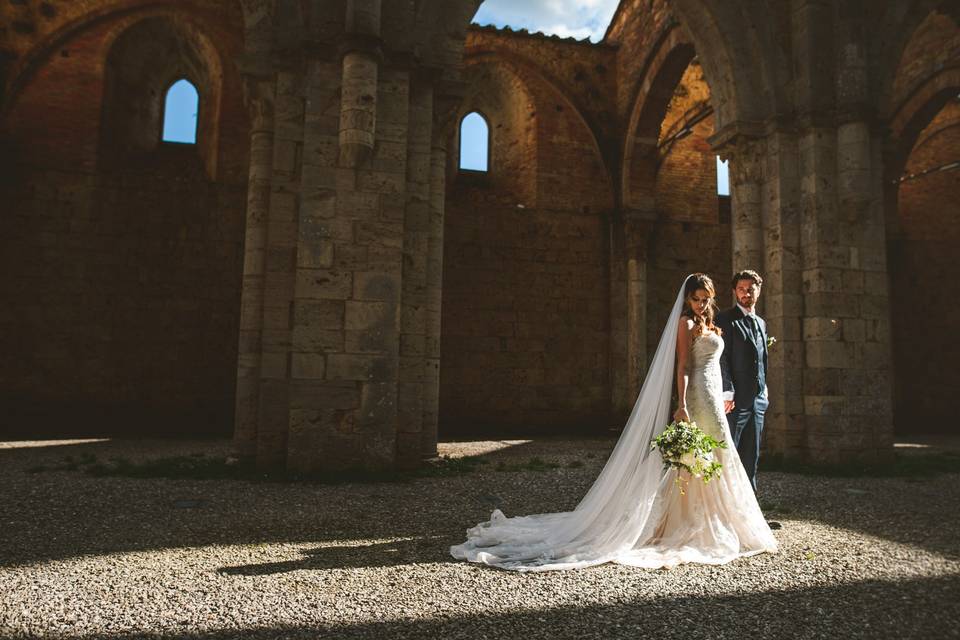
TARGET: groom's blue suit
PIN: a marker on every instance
(743, 365)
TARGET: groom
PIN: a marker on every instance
(743, 366)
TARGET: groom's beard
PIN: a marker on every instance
(747, 305)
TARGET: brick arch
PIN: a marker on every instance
(77, 17)
(915, 113)
(895, 29)
(922, 235)
(523, 66)
(736, 56)
(652, 96)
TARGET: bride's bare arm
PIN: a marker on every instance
(684, 338)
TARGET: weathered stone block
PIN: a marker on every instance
(307, 366)
(309, 339)
(361, 367)
(319, 314)
(324, 395)
(323, 284)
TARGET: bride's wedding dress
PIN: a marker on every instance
(635, 513)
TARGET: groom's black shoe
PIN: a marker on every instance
(774, 525)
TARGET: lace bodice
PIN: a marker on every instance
(705, 386)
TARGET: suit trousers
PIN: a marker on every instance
(746, 427)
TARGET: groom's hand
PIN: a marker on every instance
(728, 406)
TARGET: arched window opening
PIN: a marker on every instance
(474, 143)
(180, 113)
(723, 177)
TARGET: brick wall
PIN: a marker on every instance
(525, 295)
(923, 273)
(123, 282)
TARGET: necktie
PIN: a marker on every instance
(752, 323)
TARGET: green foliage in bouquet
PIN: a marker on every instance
(683, 445)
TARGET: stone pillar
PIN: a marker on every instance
(629, 236)
(358, 101)
(746, 185)
(282, 230)
(259, 93)
(867, 382)
(782, 297)
(847, 387)
(446, 100)
(321, 422)
(342, 297)
(414, 391)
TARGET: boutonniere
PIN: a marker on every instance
(771, 340)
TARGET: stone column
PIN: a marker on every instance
(358, 100)
(446, 100)
(259, 93)
(746, 157)
(782, 296)
(628, 311)
(632, 226)
(413, 390)
(867, 381)
(281, 245)
(321, 421)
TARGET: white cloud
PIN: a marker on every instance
(565, 18)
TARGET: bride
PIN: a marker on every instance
(635, 513)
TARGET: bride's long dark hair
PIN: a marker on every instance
(704, 323)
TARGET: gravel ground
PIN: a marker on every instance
(115, 557)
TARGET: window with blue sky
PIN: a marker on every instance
(723, 177)
(180, 113)
(474, 143)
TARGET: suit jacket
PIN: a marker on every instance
(743, 363)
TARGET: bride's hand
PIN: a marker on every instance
(681, 415)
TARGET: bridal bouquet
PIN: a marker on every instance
(683, 445)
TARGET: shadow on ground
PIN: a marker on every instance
(871, 609)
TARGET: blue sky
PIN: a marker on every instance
(566, 18)
(180, 113)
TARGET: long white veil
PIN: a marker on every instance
(616, 511)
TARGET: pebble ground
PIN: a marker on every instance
(119, 557)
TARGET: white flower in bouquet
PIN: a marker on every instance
(684, 446)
